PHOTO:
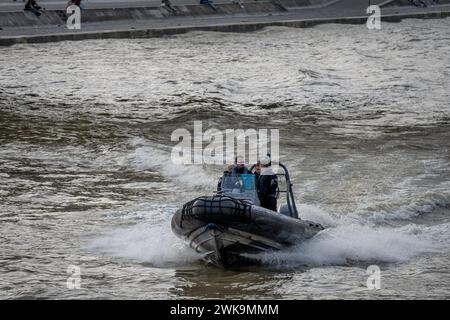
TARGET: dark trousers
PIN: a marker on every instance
(269, 203)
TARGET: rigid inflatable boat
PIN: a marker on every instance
(230, 227)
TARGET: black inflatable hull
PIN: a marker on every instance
(229, 231)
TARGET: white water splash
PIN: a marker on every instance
(348, 240)
(147, 156)
(145, 243)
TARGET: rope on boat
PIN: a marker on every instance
(238, 208)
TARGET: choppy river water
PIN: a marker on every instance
(86, 177)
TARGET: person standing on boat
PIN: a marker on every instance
(240, 167)
(267, 185)
(257, 172)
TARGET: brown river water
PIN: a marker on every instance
(86, 178)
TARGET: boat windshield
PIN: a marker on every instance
(241, 186)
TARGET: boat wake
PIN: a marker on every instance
(145, 243)
(384, 234)
(352, 241)
(348, 241)
(148, 156)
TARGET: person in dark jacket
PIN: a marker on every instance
(75, 3)
(267, 186)
(240, 167)
(32, 4)
(257, 172)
